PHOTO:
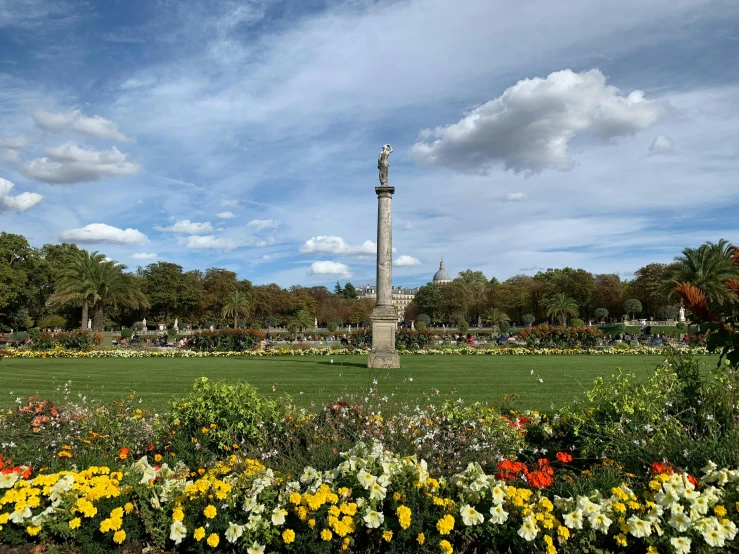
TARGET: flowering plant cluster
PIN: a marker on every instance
(373, 501)
(548, 335)
(59, 352)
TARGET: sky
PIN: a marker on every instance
(245, 134)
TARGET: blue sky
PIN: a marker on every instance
(245, 134)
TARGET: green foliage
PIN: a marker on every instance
(52, 321)
(601, 313)
(546, 335)
(420, 325)
(577, 322)
(632, 306)
(226, 340)
(76, 340)
(172, 333)
(681, 325)
(560, 305)
(424, 318)
(232, 413)
(463, 326)
(528, 319)
(505, 327)
(332, 326)
(256, 326)
(126, 332)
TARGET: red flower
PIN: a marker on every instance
(123, 453)
(564, 457)
(661, 468)
(694, 481)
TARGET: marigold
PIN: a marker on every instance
(119, 537)
(387, 536)
(445, 524)
(199, 534)
(213, 540)
(326, 535)
(288, 536)
(210, 511)
(33, 530)
(446, 547)
(421, 538)
(75, 523)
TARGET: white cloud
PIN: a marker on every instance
(226, 215)
(19, 203)
(15, 143)
(210, 242)
(144, 256)
(260, 224)
(70, 163)
(528, 128)
(9, 156)
(328, 268)
(326, 244)
(404, 260)
(102, 233)
(515, 197)
(266, 257)
(73, 120)
(226, 203)
(661, 144)
(408, 225)
(188, 227)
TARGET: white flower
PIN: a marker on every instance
(255, 548)
(574, 520)
(680, 544)
(498, 495)
(250, 503)
(19, 515)
(528, 529)
(470, 516)
(729, 528)
(366, 479)
(600, 522)
(278, 516)
(309, 474)
(373, 519)
(679, 521)
(714, 537)
(8, 480)
(377, 492)
(700, 504)
(639, 527)
(498, 515)
(234, 532)
(177, 532)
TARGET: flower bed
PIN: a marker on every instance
(285, 351)
(372, 501)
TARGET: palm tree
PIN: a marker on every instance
(237, 303)
(495, 316)
(93, 281)
(560, 305)
(708, 268)
(302, 320)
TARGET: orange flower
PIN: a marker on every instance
(123, 453)
(564, 457)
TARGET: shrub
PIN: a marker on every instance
(256, 326)
(53, 321)
(230, 413)
(528, 319)
(681, 325)
(546, 335)
(463, 326)
(226, 340)
(420, 325)
(126, 333)
(425, 318)
(76, 340)
(332, 326)
(577, 322)
(504, 326)
(337, 321)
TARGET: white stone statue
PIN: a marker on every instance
(383, 164)
(143, 324)
(682, 314)
(89, 324)
(315, 322)
(175, 323)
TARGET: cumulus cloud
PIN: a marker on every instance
(15, 143)
(70, 163)
(188, 227)
(18, 203)
(337, 246)
(404, 260)
(661, 144)
(260, 224)
(210, 242)
(528, 128)
(74, 121)
(226, 203)
(144, 256)
(226, 215)
(101, 233)
(515, 197)
(328, 268)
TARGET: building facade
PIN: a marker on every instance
(401, 297)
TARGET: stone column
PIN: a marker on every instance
(384, 317)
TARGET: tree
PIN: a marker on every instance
(170, 291)
(337, 289)
(707, 268)
(237, 303)
(76, 284)
(16, 268)
(516, 295)
(648, 287)
(424, 318)
(528, 319)
(471, 277)
(349, 291)
(560, 305)
(632, 306)
(608, 293)
(495, 317)
(578, 284)
(302, 320)
(668, 312)
(601, 313)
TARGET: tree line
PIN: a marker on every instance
(61, 285)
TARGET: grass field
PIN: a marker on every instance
(315, 379)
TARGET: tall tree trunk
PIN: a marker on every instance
(85, 316)
(98, 319)
(236, 320)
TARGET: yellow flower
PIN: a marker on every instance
(210, 512)
(621, 539)
(446, 547)
(199, 534)
(288, 535)
(421, 538)
(311, 523)
(652, 550)
(387, 536)
(445, 524)
(404, 516)
(33, 530)
(128, 507)
(116, 513)
(119, 537)
(655, 485)
(563, 532)
(326, 535)
(295, 498)
(719, 510)
(213, 540)
(76, 522)
(345, 543)
(178, 514)
(157, 458)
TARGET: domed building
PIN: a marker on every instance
(442, 277)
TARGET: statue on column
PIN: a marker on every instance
(383, 164)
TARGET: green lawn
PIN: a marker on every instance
(469, 377)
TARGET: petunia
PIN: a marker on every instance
(278, 516)
(680, 544)
(470, 516)
(255, 548)
(498, 515)
(373, 519)
(177, 532)
(234, 532)
(528, 530)
(574, 520)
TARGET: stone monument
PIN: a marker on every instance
(682, 314)
(384, 316)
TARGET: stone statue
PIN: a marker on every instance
(682, 314)
(383, 164)
(175, 326)
(89, 324)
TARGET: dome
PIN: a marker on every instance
(442, 276)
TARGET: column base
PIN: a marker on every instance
(383, 354)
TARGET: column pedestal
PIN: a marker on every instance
(383, 354)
